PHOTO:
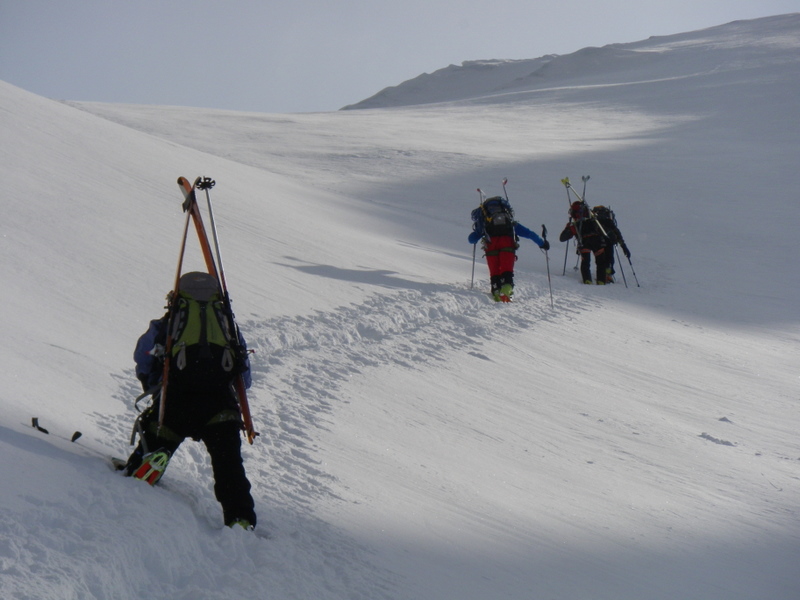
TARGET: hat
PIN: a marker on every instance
(198, 285)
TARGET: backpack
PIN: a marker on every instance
(605, 214)
(607, 220)
(200, 330)
(497, 216)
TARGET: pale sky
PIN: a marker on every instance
(308, 55)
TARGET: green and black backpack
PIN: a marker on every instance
(201, 332)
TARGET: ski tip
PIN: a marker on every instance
(35, 425)
(188, 185)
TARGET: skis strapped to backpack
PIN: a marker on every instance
(215, 269)
(583, 202)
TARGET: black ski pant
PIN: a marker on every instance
(593, 246)
(220, 432)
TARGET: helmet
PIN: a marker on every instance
(578, 211)
(198, 285)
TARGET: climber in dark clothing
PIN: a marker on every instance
(608, 221)
(591, 241)
(200, 403)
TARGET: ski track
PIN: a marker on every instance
(301, 363)
(300, 369)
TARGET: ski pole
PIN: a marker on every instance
(621, 270)
(191, 206)
(239, 385)
(634, 272)
(205, 184)
(475, 246)
(567, 186)
(505, 193)
(578, 237)
(472, 281)
(547, 260)
(565, 181)
(627, 252)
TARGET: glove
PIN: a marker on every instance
(474, 237)
(545, 246)
(625, 251)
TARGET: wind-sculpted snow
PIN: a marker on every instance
(301, 366)
(102, 537)
(300, 363)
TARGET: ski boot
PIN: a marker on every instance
(152, 467)
(506, 291)
(243, 523)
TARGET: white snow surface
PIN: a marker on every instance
(419, 441)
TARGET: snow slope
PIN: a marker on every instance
(417, 440)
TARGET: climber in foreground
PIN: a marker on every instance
(205, 358)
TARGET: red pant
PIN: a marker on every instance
(500, 255)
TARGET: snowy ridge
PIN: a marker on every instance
(614, 63)
(469, 80)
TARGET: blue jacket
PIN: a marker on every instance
(149, 355)
(519, 229)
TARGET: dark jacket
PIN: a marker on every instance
(149, 355)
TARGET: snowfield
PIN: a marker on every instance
(419, 441)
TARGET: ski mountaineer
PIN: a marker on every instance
(201, 403)
(493, 222)
(591, 239)
(608, 221)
